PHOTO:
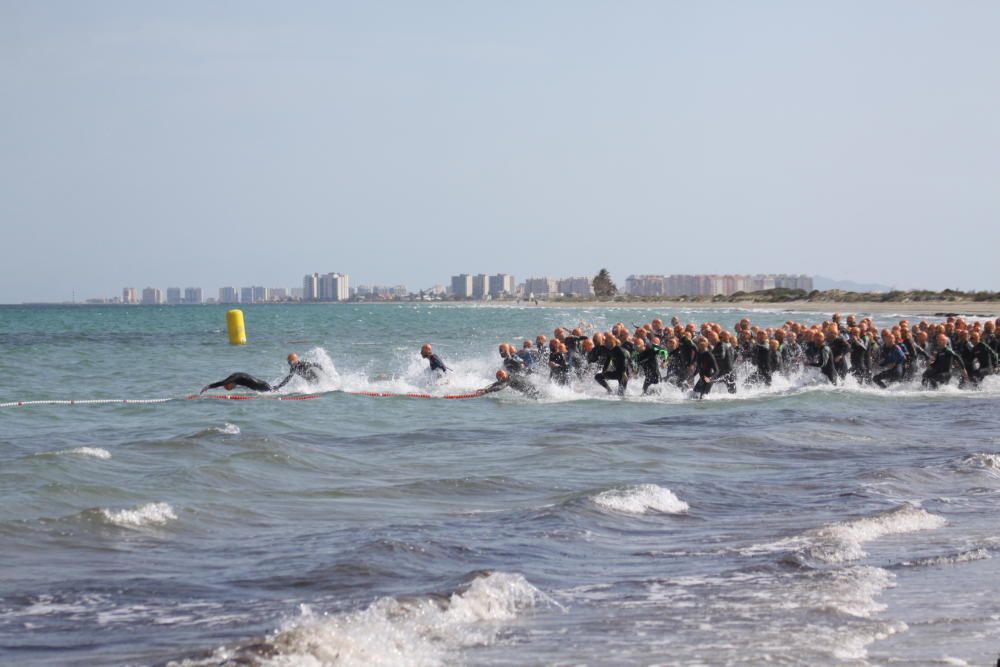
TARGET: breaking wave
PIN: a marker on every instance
(425, 631)
(641, 499)
(150, 514)
(843, 541)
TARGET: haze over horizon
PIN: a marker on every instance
(251, 143)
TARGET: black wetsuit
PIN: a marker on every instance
(618, 361)
(766, 361)
(981, 361)
(824, 363)
(242, 380)
(687, 351)
(558, 368)
(892, 362)
(725, 358)
(840, 349)
(939, 370)
(304, 369)
(436, 363)
(860, 364)
(649, 363)
(514, 365)
(706, 367)
(792, 357)
(515, 383)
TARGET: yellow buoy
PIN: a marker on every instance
(237, 332)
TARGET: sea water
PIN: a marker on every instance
(797, 524)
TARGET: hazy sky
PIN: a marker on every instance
(209, 144)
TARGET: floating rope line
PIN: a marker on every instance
(228, 397)
(101, 401)
(377, 394)
(247, 397)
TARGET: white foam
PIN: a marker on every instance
(145, 515)
(95, 452)
(641, 499)
(420, 632)
(950, 559)
(843, 541)
(228, 429)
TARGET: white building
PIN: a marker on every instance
(310, 287)
(334, 287)
(192, 295)
(541, 287)
(174, 296)
(228, 295)
(576, 286)
(502, 284)
(461, 286)
(128, 295)
(152, 296)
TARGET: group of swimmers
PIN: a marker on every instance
(693, 358)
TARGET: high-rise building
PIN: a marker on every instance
(192, 295)
(576, 286)
(278, 294)
(297, 293)
(152, 296)
(480, 286)
(310, 287)
(261, 294)
(541, 287)
(246, 295)
(646, 285)
(229, 295)
(128, 295)
(173, 296)
(334, 287)
(502, 284)
(461, 286)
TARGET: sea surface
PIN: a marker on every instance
(801, 524)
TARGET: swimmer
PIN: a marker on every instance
(435, 361)
(304, 369)
(239, 380)
(615, 366)
(505, 380)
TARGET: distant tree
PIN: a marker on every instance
(604, 287)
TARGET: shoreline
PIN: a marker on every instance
(932, 308)
(929, 308)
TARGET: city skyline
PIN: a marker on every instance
(334, 287)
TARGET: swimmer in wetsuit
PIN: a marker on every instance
(435, 361)
(505, 380)
(615, 366)
(240, 380)
(304, 369)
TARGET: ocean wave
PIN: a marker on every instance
(843, 541)
(228, 429)
(419, 631)
(949, 559)
(641, 499)
(95, 452)
(150, 514)
(985, 461)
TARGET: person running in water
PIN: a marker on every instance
(615, 366)
(707, 368)
(436, 365)
(304, 369)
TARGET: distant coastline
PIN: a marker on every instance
(930, 308)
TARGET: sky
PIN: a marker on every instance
(249, 143)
